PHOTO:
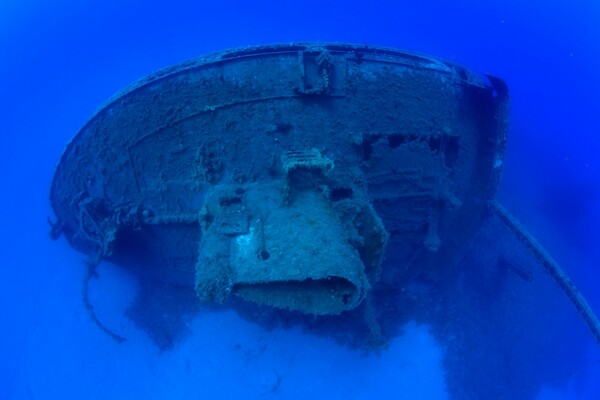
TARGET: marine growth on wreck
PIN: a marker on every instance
(310, 178)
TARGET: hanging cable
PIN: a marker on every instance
(551, 266)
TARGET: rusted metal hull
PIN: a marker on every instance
(393, 155)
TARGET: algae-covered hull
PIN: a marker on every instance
(296, 176)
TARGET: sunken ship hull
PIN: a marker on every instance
(298, 176)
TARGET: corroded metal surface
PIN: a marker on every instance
(284, 174)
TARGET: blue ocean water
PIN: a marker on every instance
(61, 60)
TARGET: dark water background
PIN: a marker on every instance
(61, 60)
